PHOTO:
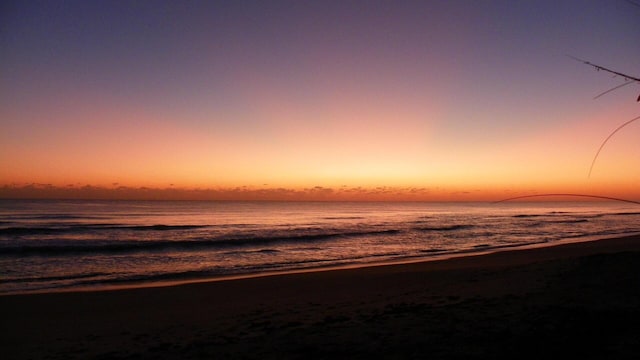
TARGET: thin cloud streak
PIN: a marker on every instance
(244, 193)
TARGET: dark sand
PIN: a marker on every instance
(577, 300)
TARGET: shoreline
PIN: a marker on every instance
(578, 292)
(390, 262)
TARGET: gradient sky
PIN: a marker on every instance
(424, 100)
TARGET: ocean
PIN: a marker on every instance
(50, 245)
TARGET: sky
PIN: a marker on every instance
(313, 100)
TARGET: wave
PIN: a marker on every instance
(53, 217)
(561, 216)
(165, 245)
(43, 230)
(429, 251)
(571, 221)
(203, 273)
(481, 246)
(81, 280)
(300, 264)
(161, 227)
(624, 213)
(182, 275)
(551, 222)
(200, 273)
(57, 278)
(261, 251)
(444, 228)
(557, 214)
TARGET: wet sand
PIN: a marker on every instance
(579, 300)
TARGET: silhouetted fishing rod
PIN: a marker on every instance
(598, 67)
(628, 78)
(614, 88)
(607, 139)
(570, 195)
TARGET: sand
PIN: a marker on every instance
(579, 300)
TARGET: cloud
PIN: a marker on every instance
(118, 191)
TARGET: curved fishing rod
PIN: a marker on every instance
(613, 88)
(571, 195)
(607, 139)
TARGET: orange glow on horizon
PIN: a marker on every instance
(118, 191)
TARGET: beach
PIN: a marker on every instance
(577, 299)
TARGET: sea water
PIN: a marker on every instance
(65, 245)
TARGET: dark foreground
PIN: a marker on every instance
(576, 300)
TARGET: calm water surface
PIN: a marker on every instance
(56, 245)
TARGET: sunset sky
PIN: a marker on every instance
(391, 100)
